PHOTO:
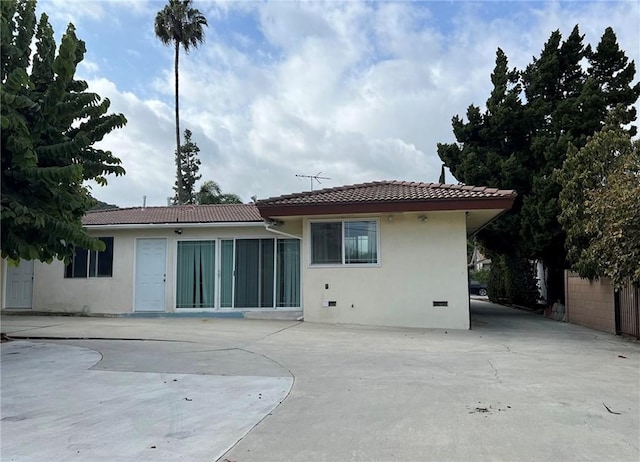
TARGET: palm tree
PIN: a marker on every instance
(210, 193)
(181, 25)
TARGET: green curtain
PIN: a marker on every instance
(185, 275)
(196, 274)
(255, 272)
(247, 273)
(205, 297)
(288, 273)
(266, 273)
(226, 273)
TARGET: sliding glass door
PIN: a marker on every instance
(196, 274)
(250, 273)
(254, 273)
(288, 273)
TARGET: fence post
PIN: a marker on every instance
(637, 300)
(616, 309)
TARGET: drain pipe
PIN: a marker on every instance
(268, 226)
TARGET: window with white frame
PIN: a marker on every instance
(351, 242)
(91, 263)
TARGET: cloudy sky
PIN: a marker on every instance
(359, 91)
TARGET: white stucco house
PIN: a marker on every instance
(385, 253)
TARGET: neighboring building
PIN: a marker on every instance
(381, 253)
(478, 260)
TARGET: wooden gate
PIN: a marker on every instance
(627, 309)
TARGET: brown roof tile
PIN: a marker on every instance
(227, 213)
(385, 196)
(384, 191)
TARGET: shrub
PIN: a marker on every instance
(512, 281)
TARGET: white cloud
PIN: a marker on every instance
(358, 91)
(73, 10)
(145, 146)
(87, 67)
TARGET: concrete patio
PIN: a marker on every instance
(516, 387)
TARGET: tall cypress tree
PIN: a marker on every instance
(613, 74)
(519, 145)
(553, 84)
(492, 149)
(189, 165)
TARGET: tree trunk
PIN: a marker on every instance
(180, 194)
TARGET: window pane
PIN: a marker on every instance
(196, 274)
(105, 259)
(247, 273)
(226, 273)
(80, 263)
(91, 263)
(68, 269)
(288, 273)
(360, 242)
(266, 276)
(326, 243)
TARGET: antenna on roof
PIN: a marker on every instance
(144, 201)
(316, 177)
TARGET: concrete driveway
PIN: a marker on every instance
(516, 387)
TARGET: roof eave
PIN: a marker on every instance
(276, 210)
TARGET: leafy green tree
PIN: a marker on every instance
(50, 123)
(481, 275)
(599, 203)
(613, 76)
(492, 150)
(614, 216)
(180, 25)
(553, 84)
(190, 165)
(518, 144)
(512, 280)
(210, 193)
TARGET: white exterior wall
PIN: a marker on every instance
(419, 262)
(114, 295)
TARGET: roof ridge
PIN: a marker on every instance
(156, 207)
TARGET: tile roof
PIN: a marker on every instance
(226, 213)
(388, 191)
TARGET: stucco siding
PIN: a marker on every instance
(106, 295)
(420, 262)
(115, 295)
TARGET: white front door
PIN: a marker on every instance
(151, 267)
(19, 285)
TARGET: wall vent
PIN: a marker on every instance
(440, 303)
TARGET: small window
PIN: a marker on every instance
(326, 242)
(92, 263)
(360, 242)
(344, 243)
